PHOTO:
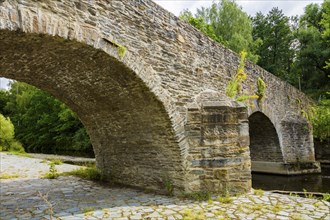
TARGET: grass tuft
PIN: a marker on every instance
(197, 196)
(225, 199)
(8, 176)
(56, 161)
(259, 192)
(89, 173)
(52, 173)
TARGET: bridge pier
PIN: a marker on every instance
(219, 156)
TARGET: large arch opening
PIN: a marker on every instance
(130, 130)
(264, 141)
(42, 123)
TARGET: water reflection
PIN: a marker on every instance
(311, 182)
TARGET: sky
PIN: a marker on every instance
(3, 83)
(289, 8)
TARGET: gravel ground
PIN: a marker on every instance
(74, 198)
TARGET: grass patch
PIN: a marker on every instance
(81, 163)
(197, 196)
(88, 211)
(169, 187)
(188, 214)
(220, 212)
(259, 192)
(326, 197)
(277, 208)
(225, 199)
(308, 195)
(256, 207)
(56, 161)
(296, 216)
(8, 176)
(19, 153)
(89, 173)
(52, 173)
(210, 201)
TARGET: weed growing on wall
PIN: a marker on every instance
(234, 87)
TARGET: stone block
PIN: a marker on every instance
(221, 174)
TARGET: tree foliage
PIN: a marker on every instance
(321, 121)
(7, 136)
(44, 124)
(225, 22)
(276, 52)
(3, 101)
(313, 51)
(200, 24)
(325, 23)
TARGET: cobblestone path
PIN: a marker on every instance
(73, 198)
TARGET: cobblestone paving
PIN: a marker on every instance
(73, 198)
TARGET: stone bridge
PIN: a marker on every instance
(150, 90)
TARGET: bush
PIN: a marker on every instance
(7, 134)
(321, 121)
(52, 173)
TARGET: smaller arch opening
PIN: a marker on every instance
(264, 142)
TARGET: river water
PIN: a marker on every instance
(310, 182)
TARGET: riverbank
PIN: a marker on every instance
(74, 198)
(64, 159)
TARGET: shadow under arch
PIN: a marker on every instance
(264, 141)
(130, 130)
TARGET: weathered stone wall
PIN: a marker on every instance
(218, 136)
(135, 107)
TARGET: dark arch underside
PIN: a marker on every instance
(264, 142)
(130, 130)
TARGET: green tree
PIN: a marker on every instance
(276, 52)
(313, 51)
(44, 124)
(325, 23)
(225, 22)
(321, 121)
(200, 24)
(7, 136)
(4, 98)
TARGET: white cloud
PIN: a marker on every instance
(177, 6)
(289, 8)
(4, 83)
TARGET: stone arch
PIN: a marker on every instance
(131, 132)
(264, 140)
